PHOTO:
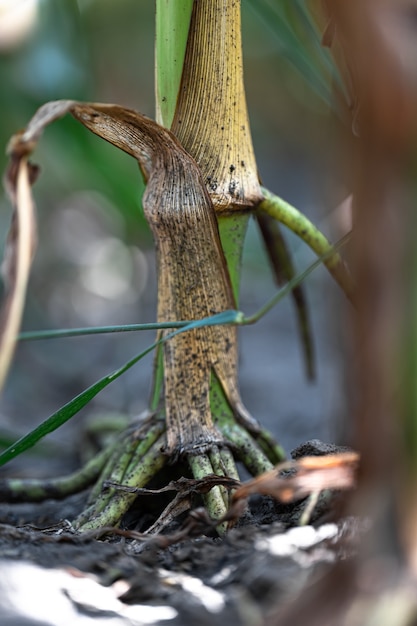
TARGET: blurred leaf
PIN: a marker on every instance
(284, 271)
(308, 475)
(58, 60)
(299, 41)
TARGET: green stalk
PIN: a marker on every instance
(202, 466)
(172, 24)
(232, 230)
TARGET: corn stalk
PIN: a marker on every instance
(202, 187)
(199, 68)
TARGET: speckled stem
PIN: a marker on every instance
(150, 463)
(37, 490)
(201, 466)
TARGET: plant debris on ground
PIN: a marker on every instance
(188, 575)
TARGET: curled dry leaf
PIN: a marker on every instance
(194, 281)
(19, 250)
(309, 475)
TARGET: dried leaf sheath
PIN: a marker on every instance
(18, 255)
(212, 82)
(192, 286)
(194, 282)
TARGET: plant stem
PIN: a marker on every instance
(311, 235)
(202, 466)
(37, 490)
(211, 74)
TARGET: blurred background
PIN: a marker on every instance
(95, 262)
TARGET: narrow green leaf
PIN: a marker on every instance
(72, 407)
(297, 280)
(60, 333)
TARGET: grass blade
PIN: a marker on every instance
(33, 335)
(72, 407)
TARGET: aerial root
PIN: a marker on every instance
(135, 458)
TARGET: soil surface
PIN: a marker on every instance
(51, 576)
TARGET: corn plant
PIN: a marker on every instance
(202, 186)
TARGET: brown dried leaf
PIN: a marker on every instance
(312, 474)
(18, 254)
(184, 486)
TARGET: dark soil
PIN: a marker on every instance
(74, 579)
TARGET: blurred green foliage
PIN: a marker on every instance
(291, 24)
(78, 50)
(103, 51)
